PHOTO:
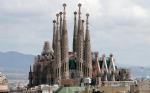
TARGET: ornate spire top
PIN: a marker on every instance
(60, 26)
(75, 13)
(79, 5)
(82, 21)
(64, 12)
(54, 21)
(111, 55)
(87, 16)
(60, 13)
(57, 15)
(87, 20)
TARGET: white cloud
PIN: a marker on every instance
(117, 26)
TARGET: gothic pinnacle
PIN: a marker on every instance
(57, 23)
(75, 13)
(57, 15)
(82, 21)
(54, 21)
(60, 13)
(79, 5)
(64, 12)
(60, 26)
(87, 20)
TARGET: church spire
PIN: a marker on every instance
(82, 34)
(60, 26)
(82, 29)
(54, 34)
(75, 33)
(58, 51)
(88, 56)
(64, 46)
(79, 45)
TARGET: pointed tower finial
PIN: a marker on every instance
(75, 13)
(82, 21)
(57, 15)
(64, 12)
(79, 5)
(87, 21)
(54, 21)
(60, 22)
(57, 22)
(60, 13)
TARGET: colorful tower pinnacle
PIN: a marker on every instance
(88, 56)
(75, 33)
(79, 46)
(64, 47)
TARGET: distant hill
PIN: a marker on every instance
(15, 61)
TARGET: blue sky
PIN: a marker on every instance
(121, 27)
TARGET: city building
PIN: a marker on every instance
(3, 84)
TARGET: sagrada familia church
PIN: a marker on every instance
(57, 65)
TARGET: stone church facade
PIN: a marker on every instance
(57, 65)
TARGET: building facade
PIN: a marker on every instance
(58, 65)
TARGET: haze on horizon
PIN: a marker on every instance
(121, 27)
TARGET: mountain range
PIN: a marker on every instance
(15, 61)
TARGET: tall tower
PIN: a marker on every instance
(87, 47)
(60, 29)
(57, 52)
(54, 34)
(75, 33)
(79, 45)
(64, 47)
(82, 34)
(60, 23)
(46, 48)
(30, 78)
